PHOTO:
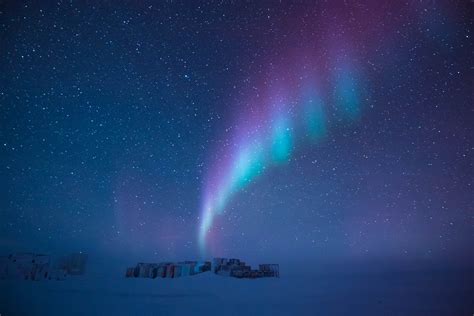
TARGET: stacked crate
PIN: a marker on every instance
(167, 269)
(238, 269)
(270, 270)
(74, 264)
(41, 268)
(37, 267)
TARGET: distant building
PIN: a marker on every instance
(187, 268)
(220, 266)
(202, 266)
(129, 273)
(37, 267)
(161, 270)
(238, 269)
(41, 268)
(74, 264)
(57, 274)
(143, 270)
(218, 262)
(167, 269)
(270, 270)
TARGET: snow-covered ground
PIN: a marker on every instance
(208, 294)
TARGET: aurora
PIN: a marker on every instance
(271, 139)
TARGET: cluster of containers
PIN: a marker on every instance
(238, 269)
(168, 269)
(220, 266)
(30, 266)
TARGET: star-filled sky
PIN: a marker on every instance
(323, 130)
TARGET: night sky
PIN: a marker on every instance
(322, 131)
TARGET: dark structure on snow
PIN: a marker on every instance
(220, 266)
(37, 267)
(168, 269)
(238, 269)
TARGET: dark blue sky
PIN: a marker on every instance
(114, 117)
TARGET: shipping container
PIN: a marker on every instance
(74, 264)
(177, 271)
(270, 270)
(57, 274)
(129, 273)
(161, 271)
(186, 269)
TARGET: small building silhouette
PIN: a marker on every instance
(238, 269)
(167, 269)
(37, 267)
